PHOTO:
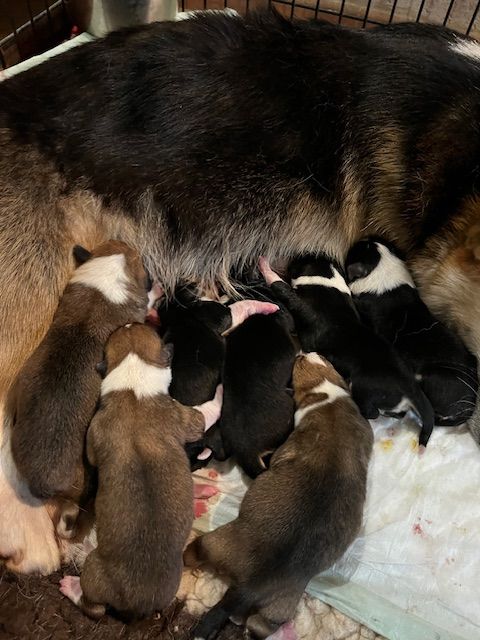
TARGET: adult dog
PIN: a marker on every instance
(208, 142)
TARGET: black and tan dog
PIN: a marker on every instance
(55, 395)
(144, 503)
(299, 516)
(234, 137)
(388, 301)
(326, 321)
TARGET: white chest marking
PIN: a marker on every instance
(134, 374)
(336, 281)
(389, 274)
(106, 274)
(333, 391)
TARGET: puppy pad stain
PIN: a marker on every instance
(386, 444)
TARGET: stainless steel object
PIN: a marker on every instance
(98, 17)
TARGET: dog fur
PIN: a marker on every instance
(298, 517)
(136, 441)
(387, 299)
(213, 140)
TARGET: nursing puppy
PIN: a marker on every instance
(144, 503)
(388, 301)
(326, 321)
(196, 327)
(57, 390)
(298, 517)
(257, 411)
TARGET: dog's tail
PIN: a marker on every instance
(237, 602)
(423, 411)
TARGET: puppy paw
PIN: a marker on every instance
(285, 632)
(205, 454)
(204, 491)
(70, 587)
(201, 494)
(243, 309)
(66, 525)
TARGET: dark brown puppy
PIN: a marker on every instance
(144, 504)
(57, 390)
(298, 517)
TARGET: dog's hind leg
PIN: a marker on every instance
(236, 603)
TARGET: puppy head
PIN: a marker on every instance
(309, 371)
(362, 259)
(375, 266)
(139, 339)
(311, 265)
(114, 269)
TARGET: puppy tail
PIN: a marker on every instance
(252, 465)
(236, 602)
(423, 410)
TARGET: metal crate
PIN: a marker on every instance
(461, 15)
(29, 27)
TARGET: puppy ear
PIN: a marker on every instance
(81, 254)
(356, 271)
(101, 368)
(166, 355)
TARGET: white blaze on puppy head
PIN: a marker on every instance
(314, 357)
(388, 274)
(337, 281)
(333, 393)
(107, 274)
(134, 374)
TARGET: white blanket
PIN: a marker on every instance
(414, 573)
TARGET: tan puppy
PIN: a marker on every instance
(56, 392)
(144, 504)
(298, 517)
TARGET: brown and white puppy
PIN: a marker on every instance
(144, 503)
(299, 516)
(55, 395)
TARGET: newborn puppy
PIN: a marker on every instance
(144, 503)
(326, 321)
(257, 411)
(298, 517)
(387, 300)
(57, 390)
(196, 328)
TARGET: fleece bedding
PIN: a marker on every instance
(412, 574)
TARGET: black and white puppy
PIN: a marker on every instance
(327, 322)
(387, 300)
(196, 328)
(257, 411)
